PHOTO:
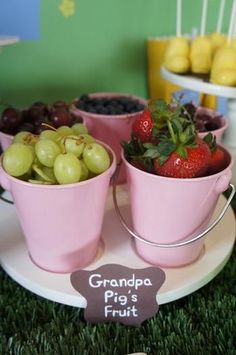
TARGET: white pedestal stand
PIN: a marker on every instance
(6, 40)
(116, 248)
(197, 84)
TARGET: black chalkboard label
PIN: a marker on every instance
(116, 293)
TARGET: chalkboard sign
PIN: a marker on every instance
(116, 293)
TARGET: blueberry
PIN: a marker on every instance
(84, 97)
(105, 111)
(91, 109)
(99, 108)
(140, 107)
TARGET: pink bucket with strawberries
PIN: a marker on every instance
(171, 216)
(174, 181)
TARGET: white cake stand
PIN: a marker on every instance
(6, 40)
(197, 84)
(116, 248)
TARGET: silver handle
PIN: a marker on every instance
(5, 199)
(163, 245)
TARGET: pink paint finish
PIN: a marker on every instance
(168, 210)
(61, 223)
(5, 140)
(217, 132)
(110, 129)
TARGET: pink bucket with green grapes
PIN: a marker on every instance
(61, 222)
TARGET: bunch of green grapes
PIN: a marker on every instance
(64, 155)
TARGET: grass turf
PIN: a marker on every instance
(201, 323)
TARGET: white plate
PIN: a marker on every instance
(196, 83)
(7, 40)
(117, 248)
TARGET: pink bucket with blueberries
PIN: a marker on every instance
(61, 223)
(110, 125)
(171, 216)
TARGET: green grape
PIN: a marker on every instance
(86, 138)
(84, 171)
(17, 159)
(65, 131)
(74, 145)
(79, 128)
(49, 134)
(25, 137)
(26, 176)
(42, 175)
(96, 158)
(47, 151)
(67, 168)
(39, 182)
(50, 173)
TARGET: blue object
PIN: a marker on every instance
(20, 18)
(185, 96)
(222, 105)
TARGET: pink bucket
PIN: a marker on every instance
(61, 223)
(218, 133)
(171, 216)
(5, 140)
(111, 129)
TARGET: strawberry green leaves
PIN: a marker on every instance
(166, 133)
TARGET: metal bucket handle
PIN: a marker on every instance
(5, 199)
(163, 245)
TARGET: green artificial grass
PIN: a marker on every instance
(202, 323)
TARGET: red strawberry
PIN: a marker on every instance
(218, 159)
(217, 162)
(142, 127)
(194, 165)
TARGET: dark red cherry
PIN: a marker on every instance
(60, 104)
(11, 118)
(61, 118)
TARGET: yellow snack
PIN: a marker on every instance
(224, 66)
(176, 57)
(201, 55)
(217, 40)
(233, 43)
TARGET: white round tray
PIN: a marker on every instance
(7, 40)
(117, 248)
(196, 83)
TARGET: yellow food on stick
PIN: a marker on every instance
(217, 40)
(201, 55)
(224, 66)
(233, 43)
(176, 57)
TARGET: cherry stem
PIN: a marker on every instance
(48, 126)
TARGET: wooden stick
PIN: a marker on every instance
(204, 17)
(220, 16)
(232, 22)
(178, 18)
